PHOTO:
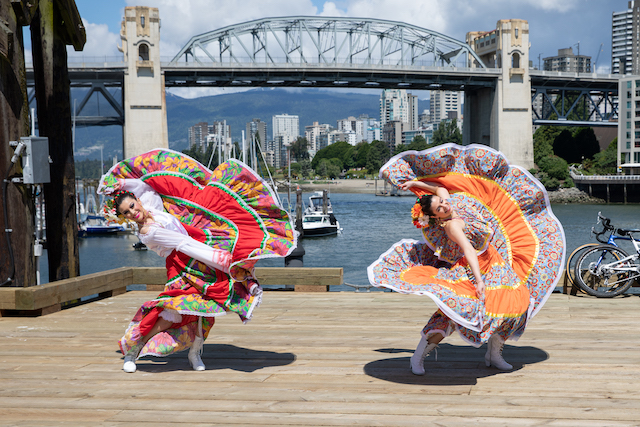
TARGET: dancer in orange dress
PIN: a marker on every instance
(492, 250)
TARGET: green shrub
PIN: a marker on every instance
(555, 167)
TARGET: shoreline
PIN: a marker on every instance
(368, 186)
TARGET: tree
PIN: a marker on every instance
(335, 150)
(382, 149)
(360, 156)
(555, 167)
(606, 161)
(299, 148)
(327, 168)
(447, 132)
(586, 143)
(305, 168)
(543, 139)
(419, 143)
(296, 170)
(348, 158)
(374, 159)
(563, 146)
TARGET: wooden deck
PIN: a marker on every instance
(324, 359)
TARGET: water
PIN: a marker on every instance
(371, 225)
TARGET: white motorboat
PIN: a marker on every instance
(318, 221)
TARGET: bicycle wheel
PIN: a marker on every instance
(572, 261)
(597, 273)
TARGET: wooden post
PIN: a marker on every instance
(56, 24)
(14, 123)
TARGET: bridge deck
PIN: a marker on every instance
(337, 359)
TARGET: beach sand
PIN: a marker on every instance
(367, 186)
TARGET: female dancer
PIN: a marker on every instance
(492, 254)
(212, 227)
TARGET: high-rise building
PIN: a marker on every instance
(394, 105)
(567, 61)
(259, 128)
(445, 104)
(392, 133)
(414, 116)
(286, 129)
(284, 124)
(629, 124)
(198, 135)
(313, 134)
(625, 39)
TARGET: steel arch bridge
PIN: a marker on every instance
(326, 41)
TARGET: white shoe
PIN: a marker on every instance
(494, 354)
(129, 364)
(422, 351)
(194, 354)
(130, 359)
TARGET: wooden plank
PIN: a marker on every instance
(7, 298)
(325, 359)
(307, 276)
(37, 297)
(149, 275)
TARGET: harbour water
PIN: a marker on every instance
(370, 226)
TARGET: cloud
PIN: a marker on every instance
(197, 92)
(552, 5)
(101, 43)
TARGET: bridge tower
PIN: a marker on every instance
(145, 110)
(501, 117)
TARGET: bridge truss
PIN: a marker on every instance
(327, 41)
(574, 101)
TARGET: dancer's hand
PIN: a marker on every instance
(480, 287)
(407, 185)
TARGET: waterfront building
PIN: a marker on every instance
(373, 133)
(426, 133)
(197, 135)
(220, 133)
(414, 116)
(568, 61)
(257, 127)
(392, 133)
(625, 40)
(284, 124)
(286, 129)
(424, 118)
(445, 104)
(629, 124)
(312, 133)
(394, 106)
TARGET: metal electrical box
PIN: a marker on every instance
(35, 160)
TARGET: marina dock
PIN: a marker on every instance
(324, 359)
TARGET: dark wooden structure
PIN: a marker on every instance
(54, 24)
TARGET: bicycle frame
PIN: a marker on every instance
(617, 266)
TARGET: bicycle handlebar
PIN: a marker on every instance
(606, 227)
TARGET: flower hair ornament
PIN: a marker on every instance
(109, 210)
(420, 220)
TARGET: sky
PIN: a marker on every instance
(553, 24)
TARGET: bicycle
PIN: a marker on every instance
(606, 270)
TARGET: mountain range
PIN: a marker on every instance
(237, 109)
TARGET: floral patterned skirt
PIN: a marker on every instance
(520, 266)
(230, 208)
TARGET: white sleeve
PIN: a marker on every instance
(169, 240)
(144, 192)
